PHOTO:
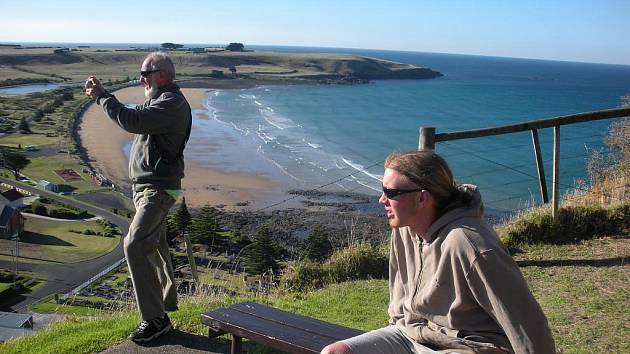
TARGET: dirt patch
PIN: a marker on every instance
(69, 175)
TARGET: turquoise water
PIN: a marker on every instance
(310, 136)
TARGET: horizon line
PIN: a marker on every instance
(326, 47)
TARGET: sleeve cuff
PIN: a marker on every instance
(104, 95)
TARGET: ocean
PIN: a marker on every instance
(335, 138)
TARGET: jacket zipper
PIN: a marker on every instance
(419, 277)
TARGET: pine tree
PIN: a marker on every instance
(182, 217)
(318, 246)
(172, 230)
(260, 256)
(24, 127)
(204, 226)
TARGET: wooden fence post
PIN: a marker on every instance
(556, 172)
(427, 138)
(541, 169)
(191, 258)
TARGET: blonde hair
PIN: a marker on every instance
(428, 171)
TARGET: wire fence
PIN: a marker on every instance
(504, 167)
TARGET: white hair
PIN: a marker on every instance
(161, 60)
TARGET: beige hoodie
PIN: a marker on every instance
(461, 290)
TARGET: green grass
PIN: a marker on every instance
(4, 286)
(52, 241)
(44, 168)
(584, 291)
(30, 281)
(357, 304)
(48, 305)
(582, 288)
(39, 140)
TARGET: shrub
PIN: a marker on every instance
(304, 275)
(62, 213)
(573, 223)
(216, 74)
(317, 246)
(39, 209)
(361, 261)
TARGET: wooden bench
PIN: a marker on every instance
(273, 328)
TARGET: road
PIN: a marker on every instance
(61, 278)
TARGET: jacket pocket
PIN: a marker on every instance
(446, 338)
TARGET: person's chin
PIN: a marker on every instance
(394, 223)
(150, 93)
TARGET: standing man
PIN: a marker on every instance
(156, 166)
(453, 286)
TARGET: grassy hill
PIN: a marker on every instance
(115, 65)
(582, 289)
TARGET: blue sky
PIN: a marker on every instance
(577, 30)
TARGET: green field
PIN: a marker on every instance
(44, 168)
(54, 241)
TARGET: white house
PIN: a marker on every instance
(49, 186)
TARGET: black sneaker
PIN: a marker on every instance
(149, 330)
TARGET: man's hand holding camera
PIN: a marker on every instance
(93, 88)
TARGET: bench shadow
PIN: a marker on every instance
(190, 341)
(42, 239)
(606, 262)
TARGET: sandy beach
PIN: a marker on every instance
(104, 142)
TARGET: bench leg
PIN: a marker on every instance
(237, 345)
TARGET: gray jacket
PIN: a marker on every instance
(161, 125)
(461, 290)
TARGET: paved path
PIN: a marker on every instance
(61, 220)
(62, 278)
(176, 342)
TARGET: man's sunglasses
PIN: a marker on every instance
(148, 72)
(392, 193)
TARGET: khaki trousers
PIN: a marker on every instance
(148, 258)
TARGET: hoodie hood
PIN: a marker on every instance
(467, 205)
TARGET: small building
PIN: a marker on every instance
(49, 186)
(11, 220)
(13, 325)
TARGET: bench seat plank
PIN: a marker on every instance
(276, 328)
(304, 323)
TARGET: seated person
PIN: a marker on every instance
(453, 286)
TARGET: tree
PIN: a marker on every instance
(235, 47)
(169, 45)
(171, 229)
(24, 127)
(38, 115)
(233, 70)
(14, 161)
(318, 246)
(260, 255)
(182, 218)
(204, 226)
